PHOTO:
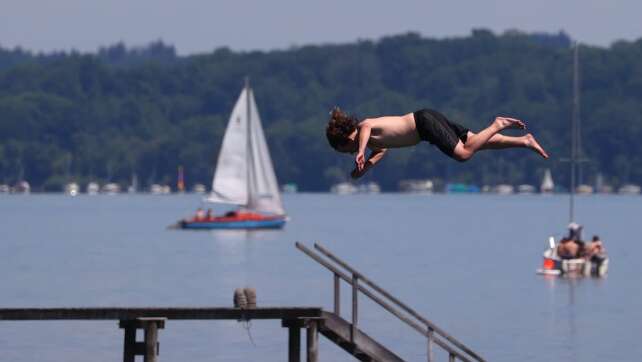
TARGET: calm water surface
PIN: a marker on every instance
(465, 262)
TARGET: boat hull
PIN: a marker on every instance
(553, 265)
(276, 222)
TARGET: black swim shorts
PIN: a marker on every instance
(435, 128)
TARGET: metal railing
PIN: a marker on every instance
(434, 334)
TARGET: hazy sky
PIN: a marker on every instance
(203, 25)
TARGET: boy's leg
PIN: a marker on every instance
(499, 141)
(475, 141)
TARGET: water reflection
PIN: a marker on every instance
(245, 235)
(567, 304)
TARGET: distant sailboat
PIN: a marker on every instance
(133, 187)
(547, 185)
(244, 175)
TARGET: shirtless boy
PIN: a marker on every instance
(347, 135)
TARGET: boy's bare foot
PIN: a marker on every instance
(505, 122)
(531, 143)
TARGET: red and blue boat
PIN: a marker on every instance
(236, 220)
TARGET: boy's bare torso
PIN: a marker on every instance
(392, 131)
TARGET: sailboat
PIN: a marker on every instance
(553, 264)
(244, 175)
(547, 186)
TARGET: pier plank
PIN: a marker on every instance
(180, 313)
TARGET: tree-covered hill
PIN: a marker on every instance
(119, 112)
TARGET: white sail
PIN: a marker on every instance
(230, 183)
(547, 182)
(244, 172)
(263, 188)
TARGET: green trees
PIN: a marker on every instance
(145, 111)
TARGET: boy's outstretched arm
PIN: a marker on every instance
(375, 156)
(364, 137)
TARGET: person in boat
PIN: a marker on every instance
(200, 214)
(575, 231)
(347, 135)
(595, 251)
(568, 248)
(209, 216)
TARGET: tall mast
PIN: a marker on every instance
(247, 98)
(578, 117)
(575, 146)
(248, 134)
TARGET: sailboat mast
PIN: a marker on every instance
(578, 118)
(574, 129)
(248, 141)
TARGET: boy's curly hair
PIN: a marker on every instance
(340, 127)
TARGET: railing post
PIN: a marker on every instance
(430, 338)
(337, 295)
(355, 306)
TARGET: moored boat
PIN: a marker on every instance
(578, 260)
(553, 264)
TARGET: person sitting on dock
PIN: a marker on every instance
(347, 135)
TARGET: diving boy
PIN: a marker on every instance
(345, 134)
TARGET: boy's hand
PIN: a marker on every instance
(360, 160)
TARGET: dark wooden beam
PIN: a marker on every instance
(188, 313)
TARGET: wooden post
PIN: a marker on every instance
(151, 341)
(294, 338)
(148, 348)
(451, 357)
(313, 341)
(294, 344)
(129, 347)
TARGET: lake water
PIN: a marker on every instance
(466, 262)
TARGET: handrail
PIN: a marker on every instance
(397, 301)
(365, 291)
(429, 331)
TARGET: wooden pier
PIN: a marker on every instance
(150, 320)
(344, 333)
